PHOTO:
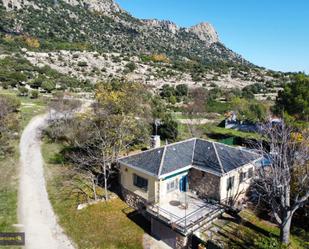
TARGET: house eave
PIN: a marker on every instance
(241, 167)
(175, 172)
(138, 169)
(207, 170)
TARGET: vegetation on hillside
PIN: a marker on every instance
(16, 72)
(294, 99)
(9, 119)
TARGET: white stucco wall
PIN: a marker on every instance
(239, 187)
(173, 195)
(126, 180)
(157, 189)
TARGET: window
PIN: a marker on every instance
(171, 185)
(243, 176)
(230, 183)
(250, 173)
(140, 182)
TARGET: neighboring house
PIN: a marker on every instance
(182, 186)
(231, 122)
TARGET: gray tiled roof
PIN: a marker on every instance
(205, 156)
(211, 156)
(148, 160)
(177, 156)
(232, 158)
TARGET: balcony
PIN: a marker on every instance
(186, 213)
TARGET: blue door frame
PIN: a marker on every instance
(183, 184)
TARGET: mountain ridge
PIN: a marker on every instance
(96, 41)
(105, 25)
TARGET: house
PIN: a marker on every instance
(231, 122)
(182, 186)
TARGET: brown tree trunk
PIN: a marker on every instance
(285, 228)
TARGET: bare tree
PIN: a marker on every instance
(104, 138)
(195, 108)
(284, 184)
(95, 139)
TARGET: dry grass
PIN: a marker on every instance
(103, 225)
(8, 191)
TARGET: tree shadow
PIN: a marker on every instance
(235, 242)
(240, 221)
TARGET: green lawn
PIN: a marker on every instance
(215, 130)
(103, 225)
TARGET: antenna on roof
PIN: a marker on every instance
(157, 123)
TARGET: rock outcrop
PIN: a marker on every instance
(121, 32)
(206, 32)
(107, 7)
(103, 6)
(17, 4)
(170, 26)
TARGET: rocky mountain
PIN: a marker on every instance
(206, 32)
(102, 25)
(108, 7)
(96, 40)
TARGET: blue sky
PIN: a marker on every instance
(269, 33)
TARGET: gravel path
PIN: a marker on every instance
(35, 211)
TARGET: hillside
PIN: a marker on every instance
(194, 56)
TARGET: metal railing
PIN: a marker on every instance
(184, 224)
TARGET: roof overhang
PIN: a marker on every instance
(137, 169)
(175, 172)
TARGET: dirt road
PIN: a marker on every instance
(36, 215)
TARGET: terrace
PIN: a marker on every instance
(186, 213)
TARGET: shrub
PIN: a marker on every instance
(160, 58)
(82, 64)
(32, 42)
(172, 99)
(168, 129)
(267, 243)
(37, 82)
(48, 85)
(167, 91)
(11, 101)
(131, 66)
(23, 91)
(34, 94)
(182, 90)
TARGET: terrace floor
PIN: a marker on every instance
(186, 211)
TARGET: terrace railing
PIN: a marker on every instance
(188, 223)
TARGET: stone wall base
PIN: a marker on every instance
(133, 200)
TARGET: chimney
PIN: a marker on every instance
(155, 141)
